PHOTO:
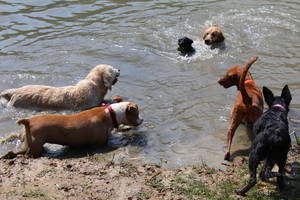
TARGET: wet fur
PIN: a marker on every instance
(213, 35)
(85, 93)
(272, 141)
(248, 105)
(185, 46)
(89, 127)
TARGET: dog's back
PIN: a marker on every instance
(272, 133)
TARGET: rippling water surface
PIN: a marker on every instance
(185, 110)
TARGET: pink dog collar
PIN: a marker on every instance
(112, 115)
(279, 106)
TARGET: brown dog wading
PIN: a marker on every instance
(89, 127)
(248, 104)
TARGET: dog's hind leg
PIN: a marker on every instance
(266, 172)
(281, 166)
(12, 154)
(253, 163)
(262, 173)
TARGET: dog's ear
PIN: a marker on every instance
(204, 35)
(118, 99)
(286, 95)
(220, 37)
(268, 95)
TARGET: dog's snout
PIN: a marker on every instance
(220, 81)
(207, 41)
(118, 72)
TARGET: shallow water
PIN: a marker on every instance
(185, 110)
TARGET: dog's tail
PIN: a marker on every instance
(23, 121)
(12, 154)
(6, 94)
(27, 138)
(246, 99)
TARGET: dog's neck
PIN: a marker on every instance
(120, 112)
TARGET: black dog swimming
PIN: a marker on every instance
(272, 141)
(185, 46)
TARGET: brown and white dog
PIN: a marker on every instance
(89, 127)
(248, 104)
(213, 35)
(86, 93)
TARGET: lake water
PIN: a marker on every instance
(185, 111)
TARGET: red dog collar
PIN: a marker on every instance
(112, 115)
(250, 82)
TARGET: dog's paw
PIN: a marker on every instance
(227, 156)
(9, 155)
(240, 192)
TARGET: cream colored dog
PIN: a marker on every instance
(213, 35)
(89, 127)
(86, 93)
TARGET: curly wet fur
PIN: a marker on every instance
(87, 92)
(272, 141)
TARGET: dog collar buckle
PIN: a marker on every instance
(279, 106)
(112, 115)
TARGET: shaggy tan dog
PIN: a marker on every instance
(213, 35)
(89, 127)
(86, 93)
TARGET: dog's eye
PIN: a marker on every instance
(213, 34)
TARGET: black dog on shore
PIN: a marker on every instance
(185, 46)
(272, 141)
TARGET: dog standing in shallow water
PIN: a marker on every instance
(248, 104)
(86, 93)
(89, 127)
(272, 141)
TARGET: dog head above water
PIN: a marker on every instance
(185, 46)
(283, 101)
(104, 74)
(213, 35)
(127, 113)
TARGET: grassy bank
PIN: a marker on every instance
(96, 177)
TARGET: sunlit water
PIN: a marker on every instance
(185, 110)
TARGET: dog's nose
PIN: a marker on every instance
(207, 41)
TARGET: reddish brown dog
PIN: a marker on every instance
(92, 126)
(248, 105)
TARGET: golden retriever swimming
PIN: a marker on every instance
(213, 35)
(86, 93)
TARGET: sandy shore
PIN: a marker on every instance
(98, 177)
